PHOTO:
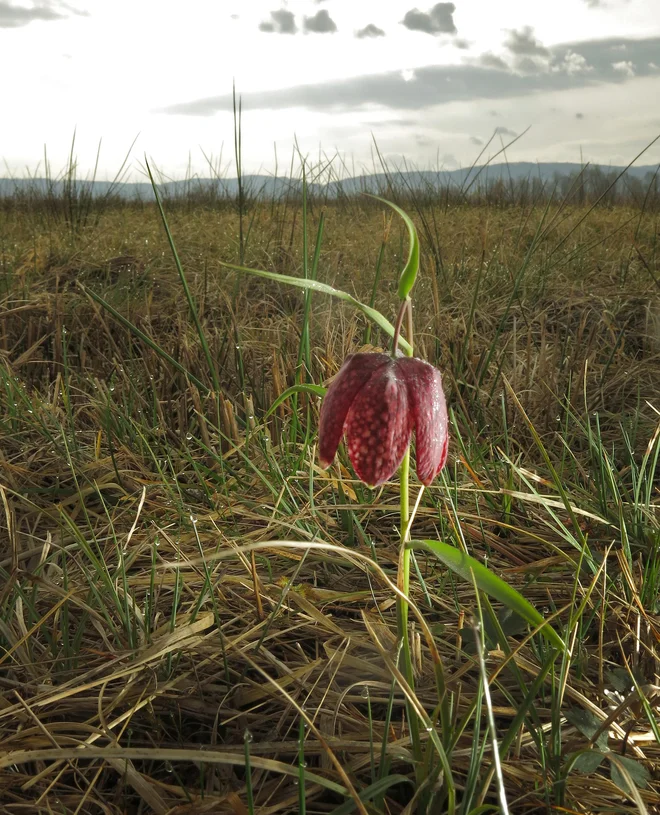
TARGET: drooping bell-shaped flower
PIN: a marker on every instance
(377, 402)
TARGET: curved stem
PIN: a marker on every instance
(403, 310)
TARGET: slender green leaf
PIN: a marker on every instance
(372, 791)
(471, 570)
(410, 270)
(315, 285)
(314, 390)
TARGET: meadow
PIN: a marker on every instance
(196, 618)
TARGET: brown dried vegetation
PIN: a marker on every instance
(159, 600)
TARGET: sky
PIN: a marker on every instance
(429, 83)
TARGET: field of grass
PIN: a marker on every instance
(196, 618)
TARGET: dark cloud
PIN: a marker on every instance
(489, 60)
(281, 22)
(476, 140)
(438, 20)
(524, 42)
(505, 131)
(320, 23)
(527, 65)
(570, 66)
(579, 115)
(370, 30)
(461, 43)
(12, 16)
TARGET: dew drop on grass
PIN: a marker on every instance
(247, 736)
(189, 436)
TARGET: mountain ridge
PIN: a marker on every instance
(267, 185)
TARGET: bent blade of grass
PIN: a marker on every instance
(472, 570)
(312, 390)
(166, 754)
(324, 288)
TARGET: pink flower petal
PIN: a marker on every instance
(352, 377)
(429, 413)
(379, 425)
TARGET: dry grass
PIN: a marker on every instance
(160, 598)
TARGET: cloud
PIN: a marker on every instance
(527, 65)
(281, 22)
(461, 43)
(505, 131)
(12, 16)
(489, 60)
(572, 63)
(438, 20)
(483, 79)
(626, 67)
(524, 42)
(579, 115)
(476, 140)
(371, 31)
(320, 23)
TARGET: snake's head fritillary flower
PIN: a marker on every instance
(377, 402)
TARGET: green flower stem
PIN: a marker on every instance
(403, 583)
(403, 578)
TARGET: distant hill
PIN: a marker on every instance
(266, 186)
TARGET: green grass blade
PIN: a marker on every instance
(410, 270)
(324, 288)
(312, 390)
(191, 303)
(372, 791)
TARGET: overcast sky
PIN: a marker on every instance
(431, 82)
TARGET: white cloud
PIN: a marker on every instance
(625, 67)
(574, 63)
